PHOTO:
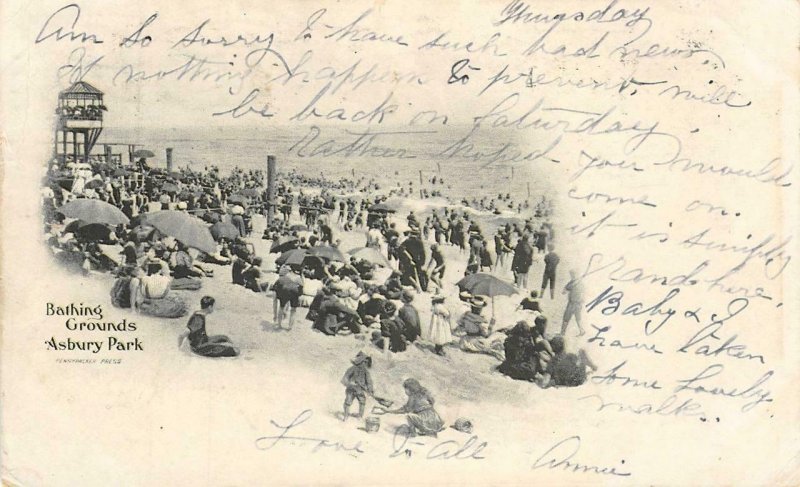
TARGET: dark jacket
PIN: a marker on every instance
(523, 257)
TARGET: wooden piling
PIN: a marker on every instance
(169, 159)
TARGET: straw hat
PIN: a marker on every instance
(477, 302)
(360, 358)
(388, 310)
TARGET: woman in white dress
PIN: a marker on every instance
(440, 329)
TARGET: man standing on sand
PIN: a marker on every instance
(574, 303)
(551, 261)
(522, 261)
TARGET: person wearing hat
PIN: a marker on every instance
(412, 261)
(409, 316)
(477, 333)
(358, 383)
(441, 323)
(391, 335)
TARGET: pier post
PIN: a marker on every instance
(75, 147)
(169, 159)
(86, 148)
(270, 189)
(529, 189)
(107, 151)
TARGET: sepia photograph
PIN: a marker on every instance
(398, 243)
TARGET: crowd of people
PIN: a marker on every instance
(371, 291)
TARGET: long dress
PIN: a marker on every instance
(567, 369)
(153, 297)
(522, 361)
(422, 418)
(477, 337)
(208, 346)
(439, 332)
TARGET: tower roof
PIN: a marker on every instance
(81, 88)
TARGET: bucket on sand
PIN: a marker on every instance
(373, 424)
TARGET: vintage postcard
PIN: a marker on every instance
(508, 242)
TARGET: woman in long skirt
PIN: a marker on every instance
(422, 418)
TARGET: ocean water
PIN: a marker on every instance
(247, 148)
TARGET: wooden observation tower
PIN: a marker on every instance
(80, 121)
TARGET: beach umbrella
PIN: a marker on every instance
(394, 203)
(224, 230)
(380, 207)
(238, 199)
(249, 192)
(299, 228)
(190, 230)
(93, 211)
(143, 153)
(482, 284)
(169, 187)
(370, 255)
(283, 244)
(327, 252)
(65, 183)
(93, 232)
(292, 257)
